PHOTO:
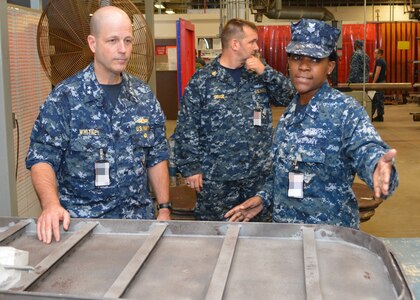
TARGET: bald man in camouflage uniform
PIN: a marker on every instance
(322, 140)
(224, 129)
(99, 134)
(359, 64)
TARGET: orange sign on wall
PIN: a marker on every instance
(160, 50)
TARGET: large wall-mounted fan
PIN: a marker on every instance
(62, 38)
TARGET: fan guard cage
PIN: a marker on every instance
(62, 39)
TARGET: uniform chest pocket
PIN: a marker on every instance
(216, 104)
(259, 92)
(313, 156)
(313, 165)
(142, 140)
(83, 152)
(89, 144)
(216, 114)
(143, 137)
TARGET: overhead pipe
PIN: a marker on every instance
(376, 86)
(298, 12)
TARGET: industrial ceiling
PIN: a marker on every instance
(182, 6)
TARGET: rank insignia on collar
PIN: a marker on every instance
(214, 73)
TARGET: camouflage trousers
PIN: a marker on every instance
(217, 197)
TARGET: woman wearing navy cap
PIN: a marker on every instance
(322, 140)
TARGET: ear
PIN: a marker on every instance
(234, 44)
(91, 42)
(331, 66)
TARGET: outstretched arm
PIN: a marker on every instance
(382, 174)
(246, 211)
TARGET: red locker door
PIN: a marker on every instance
(185, 39)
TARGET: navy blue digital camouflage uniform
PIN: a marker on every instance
(215, 134)
(358, 60)
(73, 125)
(331, 140)
(334, 139)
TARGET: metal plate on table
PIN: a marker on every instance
(139, 259)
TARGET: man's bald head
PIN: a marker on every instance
(111, 42)
(106, 14)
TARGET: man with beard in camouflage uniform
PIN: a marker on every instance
(98, 136)
(224, 130)
(322, 140)
(359, 64)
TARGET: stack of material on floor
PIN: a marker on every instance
(416, 115)
(183, 201)
(366, 200)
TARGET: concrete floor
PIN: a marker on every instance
(399, 216)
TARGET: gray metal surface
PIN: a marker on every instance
(119, 286)
(42, 267)
(310, 259)
(221, 271)
(193, 260)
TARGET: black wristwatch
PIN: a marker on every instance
(164, 205)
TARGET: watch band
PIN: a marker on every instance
(164, 205)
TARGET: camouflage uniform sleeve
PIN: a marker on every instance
(267, 193)
(363, 144)
(355, 63)
(50, 134)
(187, 147)
(160, 150)
(280, 87)
(367, 61)
(352, 69)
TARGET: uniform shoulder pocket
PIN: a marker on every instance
(144, 135)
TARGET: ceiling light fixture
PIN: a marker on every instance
(157, 5)
(169, 11)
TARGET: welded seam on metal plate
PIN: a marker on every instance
(221, 271)
(13, 229)
(310, 259)
(55, 256)
(131, 269)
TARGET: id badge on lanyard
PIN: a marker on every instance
(102, 170)
(295, 182)
(257, 116)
